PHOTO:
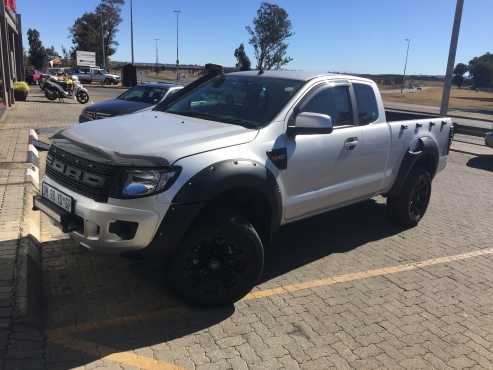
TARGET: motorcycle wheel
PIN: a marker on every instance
(82, 97)
(51, 94)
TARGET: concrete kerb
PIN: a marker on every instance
(27, 299)
(28, 283)
(25, 345)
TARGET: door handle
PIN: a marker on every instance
(351, 143)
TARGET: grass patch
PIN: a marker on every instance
(463, 99)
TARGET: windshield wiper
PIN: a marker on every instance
(210, 117)
(196, 115)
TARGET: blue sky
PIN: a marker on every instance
(359, 36)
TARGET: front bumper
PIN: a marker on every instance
(96, 225)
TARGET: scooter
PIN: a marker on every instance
(55, 89)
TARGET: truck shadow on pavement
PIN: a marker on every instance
(337, 231)
(97, 306)
(482, 162)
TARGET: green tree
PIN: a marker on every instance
(66, 56)
(459, 71)
(242, 61)
(481, 70)
(51, 53)
(90, 29)
(37, 53)
(271, 29)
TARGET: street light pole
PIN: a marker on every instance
(132, 30)
(157, 54)
(451, 58)
(102, 42)
(177, 55)
(405, 65)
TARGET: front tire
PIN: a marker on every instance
(219, 262)
(409, 206)
(82, 97)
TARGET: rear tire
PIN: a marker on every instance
(51, 94)
(408, 207)
(219, 262)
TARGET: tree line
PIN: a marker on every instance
(89, 32)
(268, 36)
(480, 70)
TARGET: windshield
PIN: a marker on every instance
(251, 101)
(144, 94)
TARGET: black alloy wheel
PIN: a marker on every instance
(218, 263)
(408, 207)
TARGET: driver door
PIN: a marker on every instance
(322, 167)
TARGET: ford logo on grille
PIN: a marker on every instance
(77, 174)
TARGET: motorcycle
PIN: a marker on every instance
(56, 89)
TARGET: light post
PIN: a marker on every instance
(451, 57)
(177, 55)
(132, 30)
(102, 41)
(405, 65)
(157, 54)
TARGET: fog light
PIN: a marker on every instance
(124, 229)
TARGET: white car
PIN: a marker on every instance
(92, 74)
(207, 177)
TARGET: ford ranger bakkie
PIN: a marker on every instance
(205, 178)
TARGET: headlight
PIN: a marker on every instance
(139, 183)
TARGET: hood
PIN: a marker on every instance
(156, 134)
(116, 107)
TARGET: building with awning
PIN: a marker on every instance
(11, 52)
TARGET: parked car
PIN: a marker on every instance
(134, 99)
(56, 71)
(207, 176)
(489, 139)
(91, 74)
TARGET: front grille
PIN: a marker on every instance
(85, 177)
(96, 115)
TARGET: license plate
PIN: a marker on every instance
(57, 197)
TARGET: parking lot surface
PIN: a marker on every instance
(342, 290)
(345, 289)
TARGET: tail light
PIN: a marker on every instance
(450, 137)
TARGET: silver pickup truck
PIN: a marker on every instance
(208, 176)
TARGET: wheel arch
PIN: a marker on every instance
(422, 152)
(239, 184)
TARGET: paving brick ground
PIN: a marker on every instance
(109, 312)
(21, 344)
(114, 313)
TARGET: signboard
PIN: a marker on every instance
(10, 4)
(86, 58)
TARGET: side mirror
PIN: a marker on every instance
(307, 123)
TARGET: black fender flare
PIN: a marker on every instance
(206, 186)
(227, 175)
(421, 148)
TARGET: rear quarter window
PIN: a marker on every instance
(367, 103)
